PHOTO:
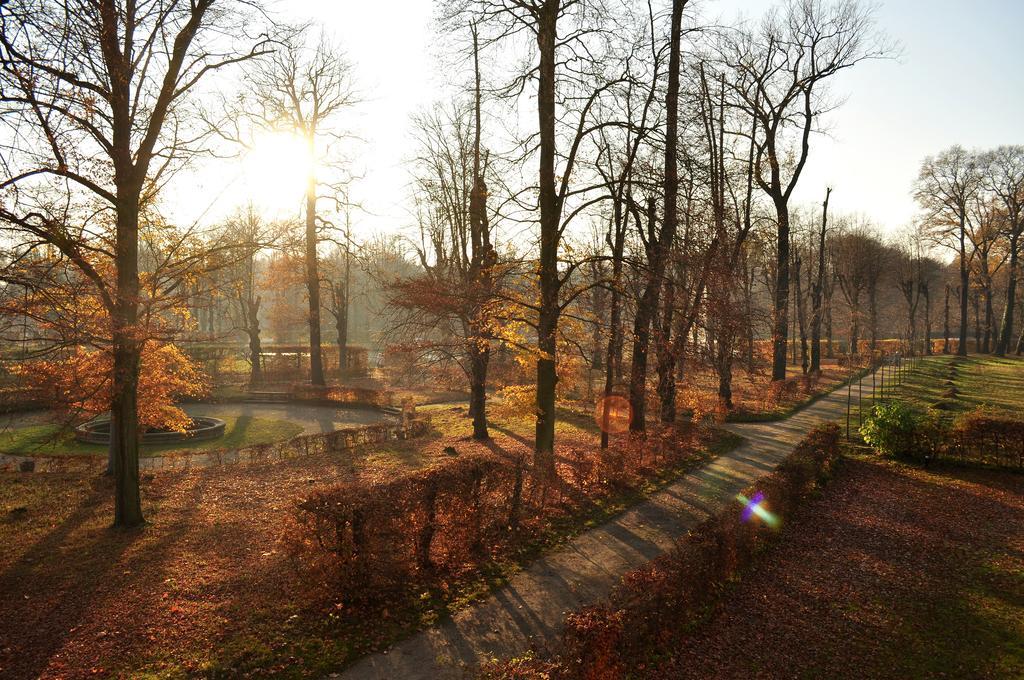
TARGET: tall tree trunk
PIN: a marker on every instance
(481, 272)
(341, 323)
(316, 362)
(976, 304)
(873, 315)
(965, 281)
(724, 365)
(661, 249)
(609, 370)
(1006, 327)
(748, 324)
(912, 329)
(479, 358)
(829, 349)
(600, 304)
(986, 343)
(945, 323)
(341, 303)
(800, 314)
(926, 291)
(645, 310)
(780, 316)
(817, 290)
(792, 329)
(255, 346)
(614, 362)
(124, 407)
(547, 321)
(1020, 338)
(666, 357)
(854, 330)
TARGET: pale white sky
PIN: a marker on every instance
(959, 81)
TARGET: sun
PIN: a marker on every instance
(275, 171)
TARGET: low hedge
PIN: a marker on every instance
(374, 532)
(987, 438)
(979, 437)
(366, 536)
(661, 601)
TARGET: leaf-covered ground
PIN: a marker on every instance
(895, 572)
(206, 589)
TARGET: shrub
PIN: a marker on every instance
(987, 437)
(383, 532)
(895, 429)
(662, 600)
(526, 667)
(365, 536)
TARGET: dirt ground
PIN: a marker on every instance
(206, 588)
(895, 572)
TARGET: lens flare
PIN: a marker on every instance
(753, 507)
(613, 414)
(275, 171)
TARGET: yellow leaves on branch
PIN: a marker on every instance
(81, 383)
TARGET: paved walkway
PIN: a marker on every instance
(530, 609)
(313, 419)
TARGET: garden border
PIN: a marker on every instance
(344, 439)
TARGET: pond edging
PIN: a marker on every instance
(303, 445)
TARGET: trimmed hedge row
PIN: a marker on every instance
(979, 437)
(366, 535)
(986, 438)
(656, 604)
(377, 532)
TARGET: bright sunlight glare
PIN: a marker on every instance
(275, 171)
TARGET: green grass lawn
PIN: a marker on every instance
(239, 431)
(977, 381)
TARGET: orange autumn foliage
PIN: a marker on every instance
(80, 383)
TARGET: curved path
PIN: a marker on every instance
(313, 419)
(529, 610)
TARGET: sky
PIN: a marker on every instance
(959, 80)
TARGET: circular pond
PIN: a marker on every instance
(202, 428)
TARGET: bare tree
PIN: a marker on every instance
(1004, 177)
(658, 243)
(931, 276)
(908, 277)
(92, 95)
(616, 165)
(249, 235)
(457, 299)
(989, 227)
(339, 283)
(781, 73)
(818, 287)
(302, 89)
(859, 263)
(946, 188)
(562, 33)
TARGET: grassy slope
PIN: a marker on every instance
(239, 431)
(979, 381)
(207, 588)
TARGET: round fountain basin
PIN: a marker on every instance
(202, 428)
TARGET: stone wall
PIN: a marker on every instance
(303, 445)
